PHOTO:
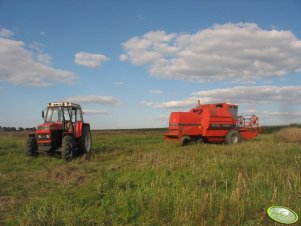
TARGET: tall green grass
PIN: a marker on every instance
(140, 179)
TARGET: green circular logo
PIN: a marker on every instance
(282, 215)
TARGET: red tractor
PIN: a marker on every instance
(63, 130)
(212, 123)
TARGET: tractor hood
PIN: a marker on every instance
(50, 126)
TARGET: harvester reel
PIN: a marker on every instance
(254, 123)
(241, 121)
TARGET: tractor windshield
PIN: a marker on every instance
(54, 115)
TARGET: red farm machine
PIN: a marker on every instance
(63, 130)
(212, 123)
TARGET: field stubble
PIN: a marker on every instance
(139, 179)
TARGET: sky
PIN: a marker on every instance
(129, 64)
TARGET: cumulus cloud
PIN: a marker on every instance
(147, 103)
(89, 60)
(95, 112)
(120, 83)
(123, 57)
(23, 64)
(161, 118)
(239, 52)
(93, 99)
(190, 102)
(282, 114)
(5, 33)
(252, 94)
(278, 117)
(155, 91)
(239, 95)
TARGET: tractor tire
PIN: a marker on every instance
(67, 148)
(31, 146)
(86, 140)
(232, 137)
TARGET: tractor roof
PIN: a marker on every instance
(63, 104)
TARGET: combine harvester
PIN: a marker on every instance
(212, 123)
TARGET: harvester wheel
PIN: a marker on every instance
(185, 141)
(67, 148)
(31, 146)
(199, 140)
(232, 137)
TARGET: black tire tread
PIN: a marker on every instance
(31, 146)
(67, 148)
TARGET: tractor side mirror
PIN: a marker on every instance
(43, 114)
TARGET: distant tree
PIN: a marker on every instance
(13, 129)
(20, 129)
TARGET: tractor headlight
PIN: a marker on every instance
(43, 136)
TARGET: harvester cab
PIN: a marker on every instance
(63, 130)
(212, 123)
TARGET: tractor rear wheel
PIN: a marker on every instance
(31, 146)
(232, 137)
(67, 148)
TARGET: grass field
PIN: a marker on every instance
(136, 178)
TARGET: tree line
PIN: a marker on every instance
(4, 128)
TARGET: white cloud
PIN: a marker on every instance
(37, 50)
(282, 114)
(89, 60)
(239, 95)
(22, 65)
(93, 99)
(123, 57)
(279, 118)
(43, 33)
(95, 112)
(5, 33)
(147, 103)
(238, 52)
(119, 83)
(161, 118)
(252, 94)
(155, 91)
(190, 102)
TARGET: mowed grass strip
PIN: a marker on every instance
(140, 179)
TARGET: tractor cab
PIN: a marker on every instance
(64, 116)
(63, 129)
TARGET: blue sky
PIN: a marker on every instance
(130, 63)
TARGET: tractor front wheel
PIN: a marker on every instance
(232, 137)
(31, 146)
(67, 148)
(85, 141)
